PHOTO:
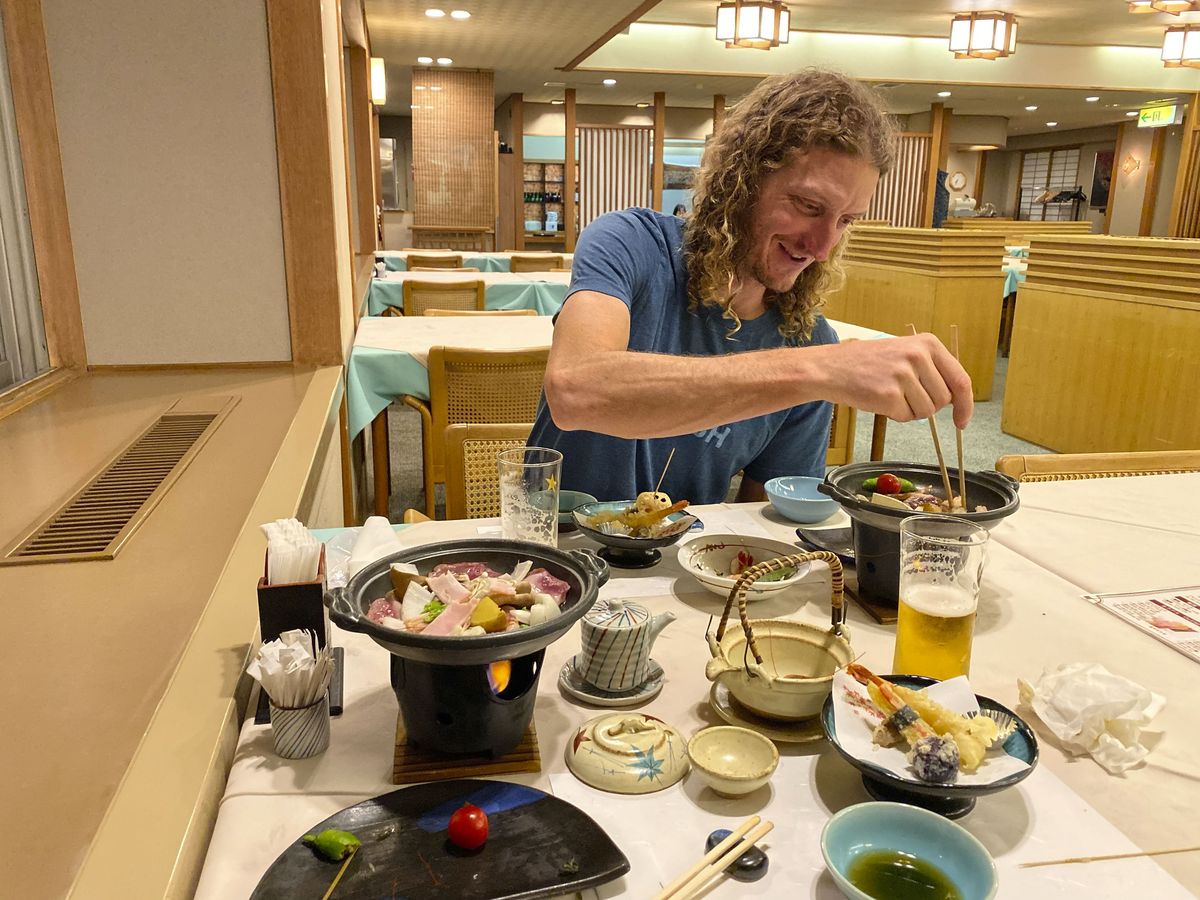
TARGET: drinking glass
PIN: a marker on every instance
(941, 565)
(529, 494)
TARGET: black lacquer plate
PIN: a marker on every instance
(538, 846)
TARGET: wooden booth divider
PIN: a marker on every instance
(1106, 345)
(931, 278)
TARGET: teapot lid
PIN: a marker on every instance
(616, 613)
(627, 753)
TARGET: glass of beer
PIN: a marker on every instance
(941, 565)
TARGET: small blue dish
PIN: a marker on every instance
(567, 501)
(796, 497)
(622, 550)
(914, 832)
(950, 800)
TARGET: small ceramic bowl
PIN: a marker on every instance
(709, 558)
(915, 832)
(796, 497)
(567, 501)
(732, 761)
(625, 551)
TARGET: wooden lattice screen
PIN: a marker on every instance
(1185, 209)
(901, 192)
(453, 150)
(614, 168)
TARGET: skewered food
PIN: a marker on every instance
(646, 518)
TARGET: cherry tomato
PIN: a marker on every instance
(888, 484)
(469, 827)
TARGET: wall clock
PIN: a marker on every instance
(957, 181)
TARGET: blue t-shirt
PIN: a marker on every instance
(636, 255)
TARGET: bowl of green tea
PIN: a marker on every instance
(892, 851)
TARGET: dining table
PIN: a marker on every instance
(1066, 540)
(484, 261)
(543, 292)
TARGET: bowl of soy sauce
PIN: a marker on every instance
(893, 851)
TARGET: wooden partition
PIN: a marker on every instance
(1016, 232)
(931, 278)
(1106, 346)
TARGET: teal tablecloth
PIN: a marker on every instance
(545, 297)
(482, 263)
(374, 378)
(1012, 278)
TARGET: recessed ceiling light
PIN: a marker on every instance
(424, 60)
(435, 87)
(609, 82)
(415, 106)
(554, 84)
(943, 93)
(1030, 108)
(444, 60)
(1051, 124)
(418, 87)
(643, 105)
(435, 13)
(1090, 99)
(557, 102)
(459, 14)
(1133, 112)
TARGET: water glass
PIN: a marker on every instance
(941, 566)
(529, 494)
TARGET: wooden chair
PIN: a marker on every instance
(472, 478)
(530, 263)
(435, 262)
(421, 295)
(425, 250)
(1075, 466)
(481, 312)
(474, 387)
(442, 269)
(841, 436)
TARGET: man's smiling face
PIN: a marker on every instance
(803, 209)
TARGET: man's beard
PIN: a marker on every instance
(780, 286)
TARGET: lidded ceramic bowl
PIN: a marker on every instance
(627, 753)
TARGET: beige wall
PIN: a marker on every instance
(967, 162)
(1129, 189)
(166, 124)
(1169, 170)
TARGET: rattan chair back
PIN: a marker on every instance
(472, 477)
(481, 312)
(841, 436)
(532, 263)
(452, 261)
(1076, 466)
(421, 295)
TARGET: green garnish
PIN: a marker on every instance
(333, 844)
(432, 610)
(778, 576)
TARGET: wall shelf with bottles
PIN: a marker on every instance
(543, 190)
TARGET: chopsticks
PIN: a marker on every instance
(666, 465)
(716, 860)
(1088, 859)
(937, 445)
(958, 433)
(341, 872)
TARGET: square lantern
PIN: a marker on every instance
(1181, 46)
(983, 35)
(758, 24)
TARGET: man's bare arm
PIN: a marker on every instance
(594, 383)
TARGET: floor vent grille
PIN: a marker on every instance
(101, 515)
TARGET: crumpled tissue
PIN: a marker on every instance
(376, 540)
(292, 674)
(1093, 711)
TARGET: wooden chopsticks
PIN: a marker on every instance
(958, 433)
(716, 860)
(937, 445)
(1088, 859)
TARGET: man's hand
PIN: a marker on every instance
(902, 378)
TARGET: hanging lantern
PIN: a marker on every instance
(1181, 46)
(983, 35)
(757, 24)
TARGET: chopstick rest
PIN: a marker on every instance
(750, 866)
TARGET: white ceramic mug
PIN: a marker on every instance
(617, 637)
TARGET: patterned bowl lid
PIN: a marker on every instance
(616, 613)
(627, 753)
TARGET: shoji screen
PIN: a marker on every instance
(614, 168)
(453, 148)
(900, 193)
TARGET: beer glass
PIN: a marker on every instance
(941, 564)
(529, 494)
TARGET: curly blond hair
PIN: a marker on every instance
(783, 115)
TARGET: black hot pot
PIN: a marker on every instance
(453, 696)
(876, 529)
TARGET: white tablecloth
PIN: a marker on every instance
(488, 278)
(1029, 618)
(414, 335)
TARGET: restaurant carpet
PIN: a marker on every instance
(983, 444)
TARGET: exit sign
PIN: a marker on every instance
(1156, 116)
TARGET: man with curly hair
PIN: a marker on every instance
(703, 335)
